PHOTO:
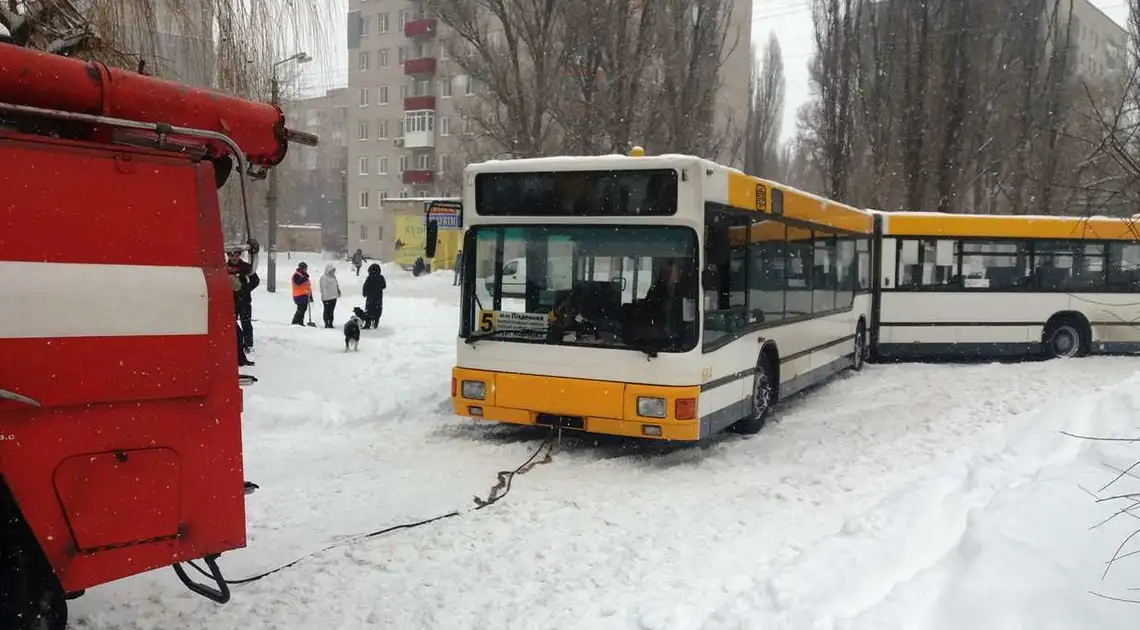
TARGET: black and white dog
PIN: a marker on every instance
(352, 329)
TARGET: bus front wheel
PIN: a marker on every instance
(763, 398)
(860, 347)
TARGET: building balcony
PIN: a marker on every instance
(419, 139)
(419, 28)
(423, 65)
(419, 102)
(418, 176)
(419, 129)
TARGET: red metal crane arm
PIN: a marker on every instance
(37, 79)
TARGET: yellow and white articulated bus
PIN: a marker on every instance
(955, 285)
(665, 297)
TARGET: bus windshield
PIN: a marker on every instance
(631, 287)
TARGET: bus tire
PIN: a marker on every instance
(860, 357)
(31, 597)
(763, 398)
(1065, 338)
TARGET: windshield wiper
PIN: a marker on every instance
(471, 339)
(649, 351)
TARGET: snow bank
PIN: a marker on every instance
(1003, 541)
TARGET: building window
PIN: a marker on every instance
(403, 91)
(382, 26)
(365, 96)
(363, 232)
(403, 19)
(365, 24)
(419, 121)
(445, 87)
(423, 161)
(402, 55)
(403, 194)
(469, 85)
(403, 163)
(382, 95)
(363, 164)
(422, 88)
(381, 129)
(444, 162)
(382, 58)
(444, 126)
(383, 194)
(468, 125)
(363, 60)
(362, 131)
(400, 124)
(364, 199)
(382, 167)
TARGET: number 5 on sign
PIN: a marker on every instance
(488, 321)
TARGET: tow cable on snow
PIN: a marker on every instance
(497, 492)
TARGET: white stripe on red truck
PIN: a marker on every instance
(46, 300)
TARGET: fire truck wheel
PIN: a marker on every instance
(30, 595)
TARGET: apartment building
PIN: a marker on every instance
(1099, 45)
(405, 98)
(313, 180)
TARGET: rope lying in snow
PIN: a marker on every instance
(498, 491)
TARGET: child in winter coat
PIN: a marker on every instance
(330, 292)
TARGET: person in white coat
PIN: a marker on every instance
(330, 292)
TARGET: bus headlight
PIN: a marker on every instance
(474, 390)
(650, 407)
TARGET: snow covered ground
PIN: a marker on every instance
(908, 496)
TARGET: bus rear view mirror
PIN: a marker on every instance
(710, 279)
(431, 239)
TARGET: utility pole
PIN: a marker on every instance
(271, 197)
(271, 201)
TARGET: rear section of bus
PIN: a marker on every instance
(580, 295)
(965, 286)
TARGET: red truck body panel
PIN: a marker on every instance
(117, 316)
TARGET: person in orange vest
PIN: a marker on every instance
(302, 293)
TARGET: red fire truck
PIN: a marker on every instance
(120, 400)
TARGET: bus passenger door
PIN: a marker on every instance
(729, 357)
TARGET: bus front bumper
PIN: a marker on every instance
(604, 407)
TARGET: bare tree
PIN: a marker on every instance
(251, 34)
(610, 75)
(765, 113)
(832, 73)
(578, 76)
(511, 49)
(693, 46)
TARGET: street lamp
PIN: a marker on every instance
(271, 197)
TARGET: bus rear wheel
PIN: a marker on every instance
(763, 399)
(30, 595)
(1064, 339)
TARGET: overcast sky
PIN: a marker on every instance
(789, 19)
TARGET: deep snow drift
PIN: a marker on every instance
(908, 496)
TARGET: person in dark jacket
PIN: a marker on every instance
(302, 293)
(358, 261)
(245, 281)
(373, 291)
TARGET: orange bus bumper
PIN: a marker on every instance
(603, 407)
